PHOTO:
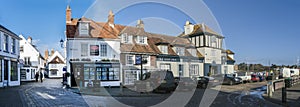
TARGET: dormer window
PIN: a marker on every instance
(142, 39)
(180, 51)
(214, 41)
(83, 28)
(126, 38)
(164, 49)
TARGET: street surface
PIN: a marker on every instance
(51, 94)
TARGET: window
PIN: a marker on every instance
(180, 51)
(214, 41)
(84, 28)
(194, 69)
(142, 39)
(94, 50)
(22, 49)
(129, 60)
(13, 46)
(126, 38)
(164, 49)
(14, 71)
(5, 43)
(165, 67)
(84, 49)
(103, 50)
(27, 61)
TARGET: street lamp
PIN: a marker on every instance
(61, 43)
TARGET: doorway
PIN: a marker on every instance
(6, 70)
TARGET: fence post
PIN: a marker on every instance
(284, 95)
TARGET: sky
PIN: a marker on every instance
(258, 31)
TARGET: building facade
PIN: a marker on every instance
(56, 62)
(31, 60)
(9, 54)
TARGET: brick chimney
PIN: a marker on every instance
(111, 17)
(68, 14)
(52, 52)
(29, 39)
(140, 24)
(46, 54)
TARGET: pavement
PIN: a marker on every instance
(293, 97)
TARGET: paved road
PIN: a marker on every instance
(51, 94)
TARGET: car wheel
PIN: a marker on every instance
(231, 83)
(204, 86)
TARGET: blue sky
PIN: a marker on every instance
(256, 30)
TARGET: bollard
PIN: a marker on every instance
(284, 95)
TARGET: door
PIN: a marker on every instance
(6, 70)
(180, 69)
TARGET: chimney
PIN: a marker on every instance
(29, 40)
(188, 28)
(68, 15)
(52, 52)
(111, 17)
(46, 54)
(140, 24)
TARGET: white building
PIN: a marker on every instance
(9, 53)
(93, 52)
(56, 62)
(210, 44)
(31, 60)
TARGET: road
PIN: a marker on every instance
(51, 94)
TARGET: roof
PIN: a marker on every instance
(97, 29)
(229, 51)
(201, 29)
(4, 29)
(56, 55)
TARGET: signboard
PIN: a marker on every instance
(278, 85)
(94, 50)
(138, 60)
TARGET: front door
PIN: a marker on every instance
(6, 70)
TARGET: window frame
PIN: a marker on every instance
(84, 51)
(103, 50)
(84, 28)
(127, 59)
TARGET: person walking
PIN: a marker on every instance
(36, 76)
(41, 76)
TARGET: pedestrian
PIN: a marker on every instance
(36, 76)
(41, 76)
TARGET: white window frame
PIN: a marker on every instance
(13, 46)
(84, 51)
(5, 42)
(84, 28)
(142, 39)
(180, 51)
(126, 38)
(129, 57)
(103, 50)
(165, 66)
(194, 69)
(164, 49)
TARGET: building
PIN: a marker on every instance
(31, 60)
(9, 53)
(109, 54)
(55, 62)
(210, 44)
(93, 52)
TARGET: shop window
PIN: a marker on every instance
(54, 72)
(94, 50)
(89, 73)
(165, 67)
(14, 71)
(181, 69)
(108, 74)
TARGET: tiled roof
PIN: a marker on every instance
(201, 29)
(137, 48)
(97, 29)
(230, 59)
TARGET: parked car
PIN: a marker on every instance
(228, 79)
(254, 78)
(156, 81)
(185, 83)
(205, 81)
(245, 76)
